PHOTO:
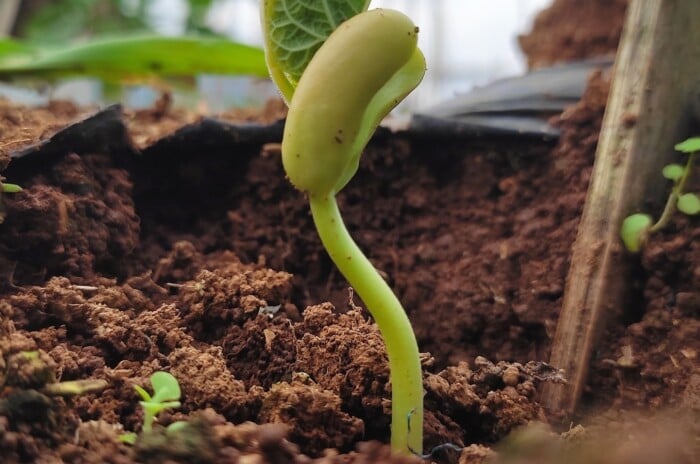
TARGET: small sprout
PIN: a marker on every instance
(636, 228)
(128, 437)
(634, 231)
(74, 387)
(166, 395)
(10, 188)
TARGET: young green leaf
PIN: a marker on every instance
(689, 203)
(11, 188)
(145, 396)
(634, 231)
(295, 29)
(165, 387)
(128, 437)
(673, 172)
(690, 145)
(70, 388)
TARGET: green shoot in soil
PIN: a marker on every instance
(636, 228)
(339, 89)
(166, 395)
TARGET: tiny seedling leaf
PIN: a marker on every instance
(295, 29)
(673, 172)
(634, 231)
(165, 387)
(690, 145)
(145, 396)
(11, 188)
(75, 387)
(129, 438)
(689, 203)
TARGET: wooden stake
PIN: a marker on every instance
(656, 83)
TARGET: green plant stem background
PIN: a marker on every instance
(385, 308)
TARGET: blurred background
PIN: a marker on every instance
(466, 42)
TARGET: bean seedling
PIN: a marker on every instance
(166, 395)
(341, 69)
(636, 228)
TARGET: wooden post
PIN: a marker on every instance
(8, 13)
(656, 83)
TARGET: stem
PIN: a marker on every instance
(676, 191)
(393, 323)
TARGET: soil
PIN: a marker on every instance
(570, 30)
(200, 259)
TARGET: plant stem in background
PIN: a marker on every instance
(393, 323)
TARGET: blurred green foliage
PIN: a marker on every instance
(64, 20)
(131, 57)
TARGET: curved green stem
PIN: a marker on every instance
(676, 192)
(393, 323)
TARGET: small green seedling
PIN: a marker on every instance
(10, 188)
(636, 228)
(166, 395)
(6, 188)
(342, 69)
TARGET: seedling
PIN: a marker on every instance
(166, 395)
(10, 188)
(636, 228)
(342, 69)
(6, 188)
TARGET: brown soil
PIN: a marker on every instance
(115, 265)
(572, 29)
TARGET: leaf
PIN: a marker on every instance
(75, 387)
(129, 438)
(295, 29)
(673, 172)
(8, 46)
(145, 396)
(690, 145)
(689, 203)
(634, 231)
(136, 58)
(10, 188)
(165, 387)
